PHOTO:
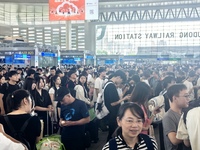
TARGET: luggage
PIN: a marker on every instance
(52, 142)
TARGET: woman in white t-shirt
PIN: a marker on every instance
(82, 90)
(53, 94)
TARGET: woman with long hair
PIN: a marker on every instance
(128, 135)
(56, 82)
(82, 90)
(43, 104)
(20, 106)
(140, 96)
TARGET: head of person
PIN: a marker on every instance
(82, 80)
(53, 71)
(56, 80)
(178, 95)
(64, 96)
(119, 77)
(19, 70)
(13, 76)
(140, 93)
(197, 70)
(134, 80)
(102, 72)
(2, 79)
(130, 120)
(20, 100)
(39, 70)
(156, 74)
(40, 83)
(29, 84)
(72, 74)
(192, 76)
(31, 73)
(168, 81)
(59, 73)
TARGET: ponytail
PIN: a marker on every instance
(13, 100)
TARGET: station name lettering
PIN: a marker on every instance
(157, 35)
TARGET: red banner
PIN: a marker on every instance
(66, 10)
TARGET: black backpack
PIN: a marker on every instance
(18, 135)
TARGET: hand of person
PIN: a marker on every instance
(91, 104)
(127, 97)
(156, 110)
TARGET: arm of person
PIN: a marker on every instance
(38, 108)
(2, 112)
(97, 91)
(173, 139)
(75, 123)
(80, 94)
(186, 143)
(119, 101)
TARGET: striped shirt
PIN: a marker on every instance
(121, 144)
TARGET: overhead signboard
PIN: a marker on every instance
(73, 10)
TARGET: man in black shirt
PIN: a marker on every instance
(72, 82)
(7, 88)
(112, 100)
(74, 116)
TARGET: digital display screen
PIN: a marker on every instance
(48, 54)
(68, 61)
(21, 56)
(109, 62)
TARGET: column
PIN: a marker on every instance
(68, 35)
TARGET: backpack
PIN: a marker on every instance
(100, 109)
(18, 135)
(146, 138)
(155, 102)
(52, 142)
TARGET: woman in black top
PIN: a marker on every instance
(20, 106)
(43, 104)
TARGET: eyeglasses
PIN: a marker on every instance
(186, 96)
(131, 121)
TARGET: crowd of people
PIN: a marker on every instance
(63, 100)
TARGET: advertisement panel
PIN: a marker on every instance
(73, 10)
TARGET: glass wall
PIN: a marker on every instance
(166, 38)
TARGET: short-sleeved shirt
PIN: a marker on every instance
(74, 112)
(32, 130)
(190, 130)
(97, 85)
(170, 124)
(122, 145)
(52, 91)
(7, 89)
(43, 100)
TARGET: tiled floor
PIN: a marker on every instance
(101, 142)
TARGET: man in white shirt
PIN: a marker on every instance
(190, 132)
(98, 85)
(197, 69)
